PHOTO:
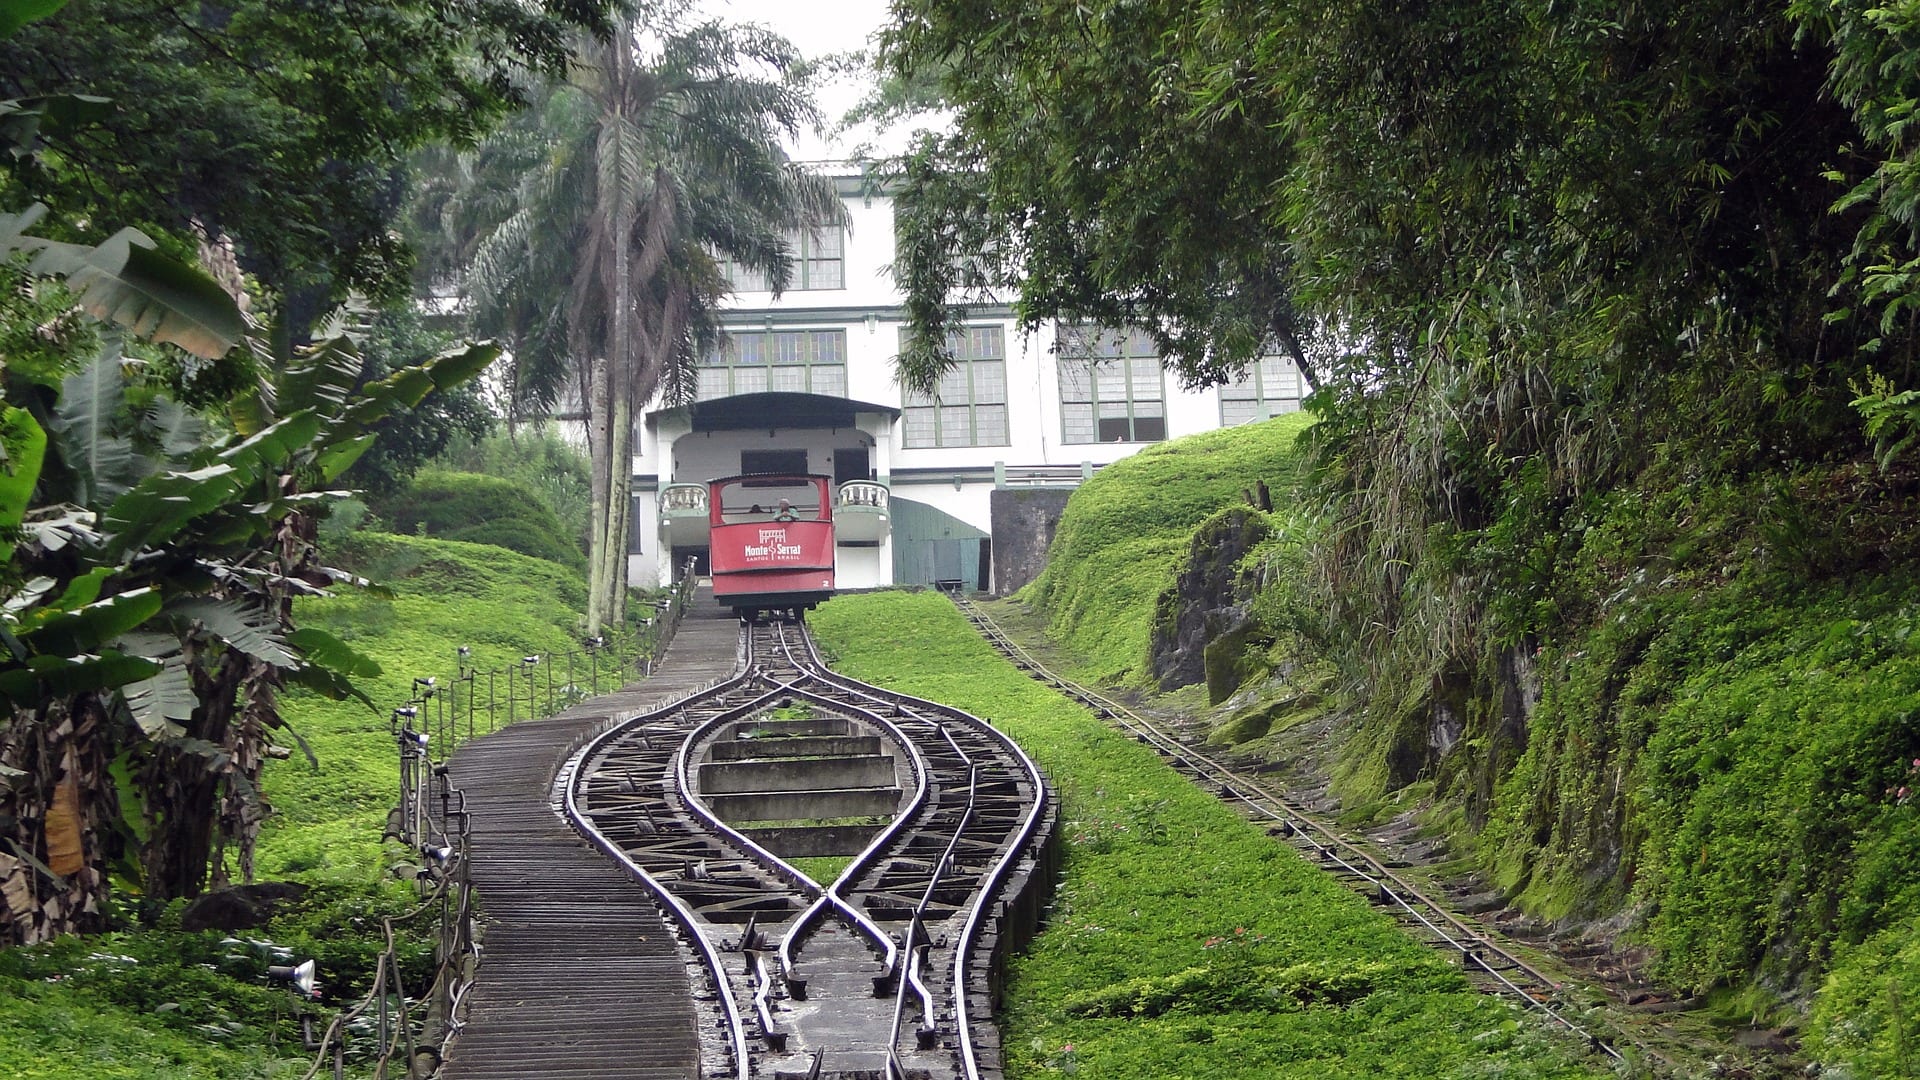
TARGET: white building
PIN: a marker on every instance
(807, 385)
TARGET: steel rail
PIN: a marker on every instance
(820, 897)
(902, 821)
(734, 1027)
(1276, 807)
(990, 887)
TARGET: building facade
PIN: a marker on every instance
(806, 384)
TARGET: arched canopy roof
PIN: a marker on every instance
(744, 412)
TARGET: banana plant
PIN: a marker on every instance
(148, 568)
(157, 587)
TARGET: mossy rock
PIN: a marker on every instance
(1266, 718)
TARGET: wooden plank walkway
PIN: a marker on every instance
(579, 975)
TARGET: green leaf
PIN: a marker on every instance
(25, 121)
(126, 282)
(248, 629)
(158, 506)
(159, 701)
(340, 457)
(178, 430)
(275, 444)
(92, 406)
(15, 14)
(61, 675)
(86, 629)
(329, 684)
(323, 379)
(406, 387)
(84, 589)
(25, 443)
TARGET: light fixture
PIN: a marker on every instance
(530, 660)
(299, 976)
(423, 688)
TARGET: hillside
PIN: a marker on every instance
(1708, 749)
(166, 1003)
(1126, 531)
(1184, 941)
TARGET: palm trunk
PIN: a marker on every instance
(611, 562)
(619, 511)
(599, 453)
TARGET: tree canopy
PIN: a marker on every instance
(284, 126)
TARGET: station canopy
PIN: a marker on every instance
(745, 412)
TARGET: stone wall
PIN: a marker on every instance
(1024, 520)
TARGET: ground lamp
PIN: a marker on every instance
(300, 979)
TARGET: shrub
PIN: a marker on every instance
(481, 510)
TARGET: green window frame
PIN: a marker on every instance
(1112, 388)
(776, 361)
(969, 407)
(819, 262)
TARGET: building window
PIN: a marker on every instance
(819, 262)
(1265, 390)
(773, 462)
(823, 259)
(969, 407)
(1111, 388)
(783, 361)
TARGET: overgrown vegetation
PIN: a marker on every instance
(444, 595)
(1184, 941)
(480, 510)
(1126, 530)
(1611, 315)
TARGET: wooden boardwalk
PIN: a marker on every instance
(579, 975)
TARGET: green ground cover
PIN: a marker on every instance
(164, 1004)
(1184, 941)
(482, 509)
(1126, 531)
(444, 594)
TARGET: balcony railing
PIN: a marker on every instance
(680, 498)
(863, 493)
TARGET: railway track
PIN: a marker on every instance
(886, 970)
(1487, 962)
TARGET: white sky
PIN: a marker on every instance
(816, 29)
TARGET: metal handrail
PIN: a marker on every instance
(442, 840)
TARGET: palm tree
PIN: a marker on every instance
(660, 154)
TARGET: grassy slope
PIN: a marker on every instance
(1155, 869)
(72, 1010)
(1750, 721)
(446, 594)
(1126, 530)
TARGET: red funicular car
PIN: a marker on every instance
(770, 541)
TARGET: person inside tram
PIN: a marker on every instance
(786, 512)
